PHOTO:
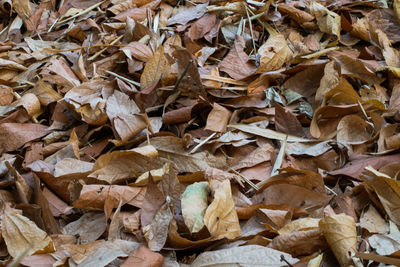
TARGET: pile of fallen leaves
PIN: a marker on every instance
(201, 133)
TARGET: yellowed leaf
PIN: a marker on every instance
(274, 53)
(21, 235)
(328, 21)
(341, 235)
(221, 218)
(388, 191)
(156, 68)
(302, 224)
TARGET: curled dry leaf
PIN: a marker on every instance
(341, 235)
(220, 217)
(387, 189)
(274, 53)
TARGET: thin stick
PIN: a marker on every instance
(202, 143)
(247, 180)
(183, 74)
(81, 13)
(123, 78)
(104, 49)
(251, 29)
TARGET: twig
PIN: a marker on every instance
(247, 180)
(80, 13)
(202, 143)
(104, 49)
(182, 75)
(284, 260)
(123, 78)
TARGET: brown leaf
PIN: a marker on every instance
(156, 68)
(93, 197)
(236, 63)
(286, 122)
(143, 257)
(218, 118)
(387, 189)
(15, 135)
(122, 165)
(153, 201)
(202, 26)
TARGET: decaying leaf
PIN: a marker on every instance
(220, 217)
(194, 203)
(340, 233)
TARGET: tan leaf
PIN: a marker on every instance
(8, 64)
(156, 233)
(122, 165)
(100, 252)
(45, 92)
(328, 21)
(31, 104)
(373, 221)
(138, 50)
(22, 235)
(156, 68)
(121, 111)
(352, 129)
(274, 53)
(387, 189)
(218, 118)
(341, 235)
(302, 224)
(72, 169)
(251, 255)
(93, 197)
(220, 217)
(6, 95)
(184, 14)
(172, 148)
(87, 228)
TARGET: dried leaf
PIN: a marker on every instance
(250, 255)
(341, 235)
(220, 217)
(274, 53)
(236, 63)
(184, 14)
(22, 236)
(156, 68)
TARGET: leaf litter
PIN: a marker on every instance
(199, 133)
